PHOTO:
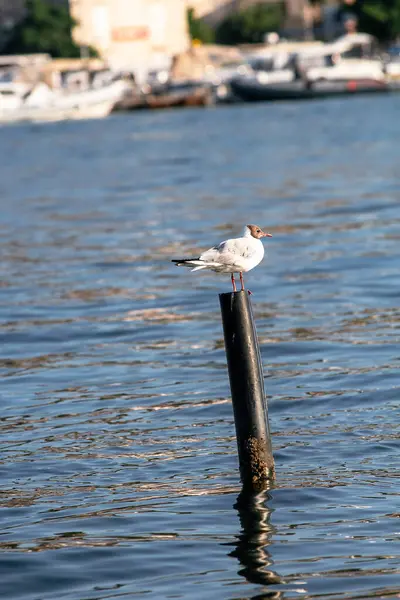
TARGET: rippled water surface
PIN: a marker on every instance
(119, 466)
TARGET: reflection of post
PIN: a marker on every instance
(251, 550)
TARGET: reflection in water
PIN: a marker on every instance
(251, 551)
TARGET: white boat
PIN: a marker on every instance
(292, 72)
(350, 57)
(392, 63)
(80, 94)
(44, 104)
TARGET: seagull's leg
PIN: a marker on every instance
(233, 282)
(241, 281)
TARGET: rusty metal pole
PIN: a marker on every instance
(246, 378)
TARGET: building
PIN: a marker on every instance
(132, 35)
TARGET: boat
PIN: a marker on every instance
(62, 90)
(168, 96)
(344, 67)
(89, 104)
(392, 63)
(199, 96)
(252, 90)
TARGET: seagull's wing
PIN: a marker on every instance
(229, 252)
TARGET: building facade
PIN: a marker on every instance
(132, 35)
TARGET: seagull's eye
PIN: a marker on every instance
(258, 231)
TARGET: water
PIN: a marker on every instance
(119, 466)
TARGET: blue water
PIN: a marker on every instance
(119, 471)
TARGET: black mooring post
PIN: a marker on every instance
(246, 378)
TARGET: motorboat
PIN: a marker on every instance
(352, 57)
(347, 66)
(76, 93)
(252, 90)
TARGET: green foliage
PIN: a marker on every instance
(198, 29)
(381, 18)
(45, 28)
(251, 24)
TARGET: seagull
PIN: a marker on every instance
(237, 255)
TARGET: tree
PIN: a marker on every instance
(46, 28)
(250, 25)
(380, 18)
(198, 29)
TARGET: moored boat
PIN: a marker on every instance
(62, 90)
(252, 90)
(347, 66)
(168, 96)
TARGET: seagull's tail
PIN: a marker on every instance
(197, 263)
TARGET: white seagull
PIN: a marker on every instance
(237, 255)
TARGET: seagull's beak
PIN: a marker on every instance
(266, 235)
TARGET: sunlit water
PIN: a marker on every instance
(119, 466)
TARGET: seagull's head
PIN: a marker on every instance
(256, 232)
